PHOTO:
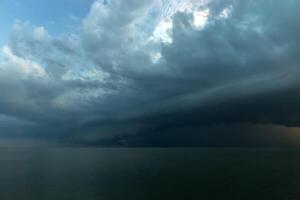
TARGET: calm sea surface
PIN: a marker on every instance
(145, 173)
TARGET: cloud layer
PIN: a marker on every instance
(143, 67)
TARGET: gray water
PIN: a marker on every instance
(145, 173)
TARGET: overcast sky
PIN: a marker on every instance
(150, 72)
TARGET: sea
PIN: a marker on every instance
(149, 173)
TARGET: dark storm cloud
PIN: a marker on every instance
(241, 67)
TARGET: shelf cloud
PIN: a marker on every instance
(136, 71)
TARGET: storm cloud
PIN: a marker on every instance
(136, 70)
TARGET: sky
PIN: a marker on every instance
(150, 72)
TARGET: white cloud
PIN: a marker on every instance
(21, 66)
(86, 75)
(162, 32)
(40, 33)
(201, 17)
(226, 12)
(155, 57)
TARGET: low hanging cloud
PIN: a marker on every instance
(142, 67)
